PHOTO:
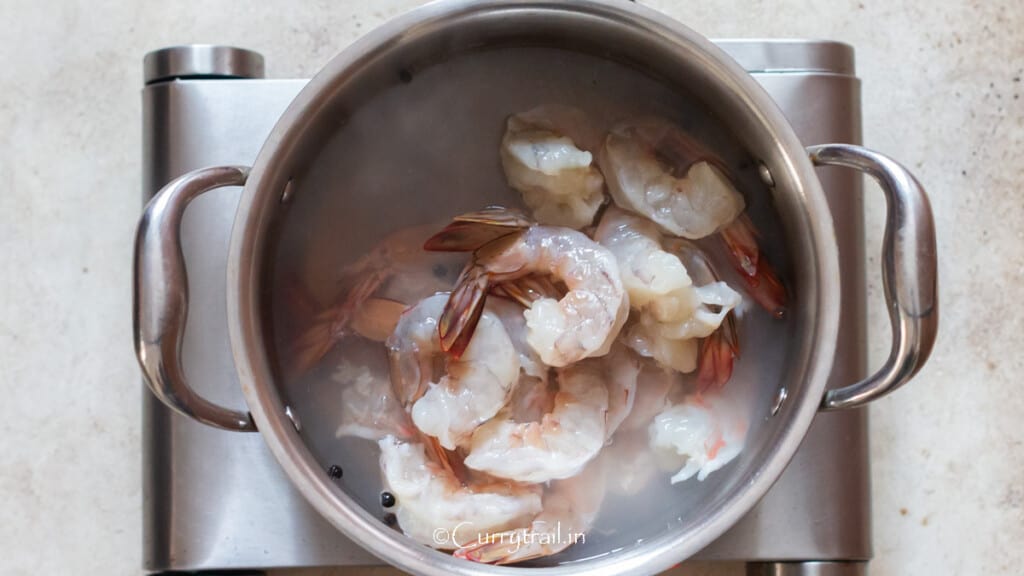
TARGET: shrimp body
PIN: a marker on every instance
(474, 386)
(705, 432)
(642, 335)
(533, 395)
(582, 324)
(569, 510)
(652, 169)
(560, 444)
(672, 310)
(654, 279)
(510, 314)
(369, 408)
(653, 388)
(585, 321)
(430, 498)
(541, 155)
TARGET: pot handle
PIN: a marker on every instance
(909, 272)
(161, 297)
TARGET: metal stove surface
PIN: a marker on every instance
(218, 500)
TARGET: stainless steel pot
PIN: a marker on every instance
(626, 33)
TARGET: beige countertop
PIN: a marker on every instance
(942, 92)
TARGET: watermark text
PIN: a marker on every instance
(465, 536)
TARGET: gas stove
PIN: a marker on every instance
(217, 500)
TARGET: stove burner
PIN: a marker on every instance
(217, 500)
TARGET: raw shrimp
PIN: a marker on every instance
(570, 508)
(370, 302)
(474, 386)
(532, 396)
(558, 446)
(642, 335)
(582, 324)
(369, 408)
(672, 310)
(653, 387)
(707, 432)
(654, 169)
(430, 499)
(546, 154)
(511, 315)
(530, 400)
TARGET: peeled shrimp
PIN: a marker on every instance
(560, 444)
(672, 310)
(542, 157)
(706, 432)
(430, 499)
(569, 510)
(653, 386)
(369, 408)
(510, 314)
(652, 169)
(533, 395)
(474, 386)
(582, 324)
(643, 336)
(656, 170)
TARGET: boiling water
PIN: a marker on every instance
(426, 148)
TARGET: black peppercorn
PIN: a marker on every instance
(387, 499)
(334, 471)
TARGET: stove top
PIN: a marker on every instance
(218, 500)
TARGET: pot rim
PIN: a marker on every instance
(268, 409)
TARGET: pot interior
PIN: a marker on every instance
(408, 135)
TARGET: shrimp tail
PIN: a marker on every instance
(479, 232)
(442, 458)
(717, 354)
(472, 231)
(317, 341)
(528, 289)
(405, 379)
(309, 331)
(462, 311)
(763, 284)
(329, 326)
(376, 318)
(514, 293)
